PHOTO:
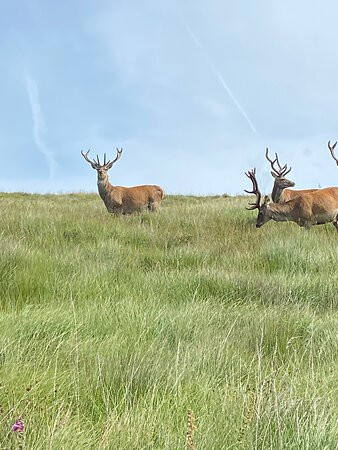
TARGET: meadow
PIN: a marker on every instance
(113, 328)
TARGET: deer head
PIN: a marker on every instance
(331, 148)
(280, 172)
(102, 169)
(263, 215)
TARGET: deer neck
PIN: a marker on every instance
(277, 192)
(280, 212)
(105, 189)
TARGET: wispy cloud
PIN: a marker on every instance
(38, 124)
(217, 74)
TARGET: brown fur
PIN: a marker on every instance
(279, 192)
(290, 194)
(124, 200)
(127, 200)
(311, 208)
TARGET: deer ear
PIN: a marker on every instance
(266, 200)
(110, 165)
(274, 175)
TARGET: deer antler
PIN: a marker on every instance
(331, 148)
(94, 164)
(270, 160)
(282, 171)
(118, 154)
(252, 175)
(109, 164)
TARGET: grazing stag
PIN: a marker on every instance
(279, 192)
(119, 199)
(331, 148)
(312, 208)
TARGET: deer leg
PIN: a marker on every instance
(116, 210)
(335, 222)
(153, 206)
(306, 224)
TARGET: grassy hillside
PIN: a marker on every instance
(111, 329)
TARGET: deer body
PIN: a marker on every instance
(312, 208)
(120, 199)
(290, 194)
(126, 200)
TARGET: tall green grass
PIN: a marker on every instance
(112, 328)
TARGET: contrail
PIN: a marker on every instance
(38, 124)
(218, 74)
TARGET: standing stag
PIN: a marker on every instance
(312, 208)
(331, 148)
(279, 192)
(119, 199)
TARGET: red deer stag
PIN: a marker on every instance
(312, 208)
(279, 192)
(119, 199)
(331, 148)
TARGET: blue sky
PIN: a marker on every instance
(193, 91)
